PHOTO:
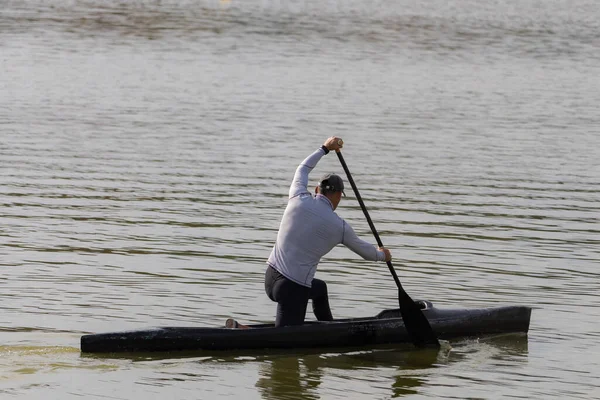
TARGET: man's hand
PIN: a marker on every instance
(388, 255)
(334, 143)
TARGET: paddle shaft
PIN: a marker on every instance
(364, 209)
(415, 321)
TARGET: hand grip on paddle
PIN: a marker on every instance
(388, 255)
(334, 143)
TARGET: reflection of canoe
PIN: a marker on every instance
(385, 328)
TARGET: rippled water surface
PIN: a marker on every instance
(146, 151)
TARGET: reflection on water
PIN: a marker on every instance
(287, 376)
(391, 372)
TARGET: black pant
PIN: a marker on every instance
(292, 298)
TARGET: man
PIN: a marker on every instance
(309, 229)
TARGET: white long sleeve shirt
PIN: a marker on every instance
(310, 228)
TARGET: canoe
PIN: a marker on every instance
(385, 328)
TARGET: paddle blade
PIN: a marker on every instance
(416, 323)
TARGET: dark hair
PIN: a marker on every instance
(331, 183)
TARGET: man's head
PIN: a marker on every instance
(332, 187)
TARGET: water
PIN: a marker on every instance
(145, 157)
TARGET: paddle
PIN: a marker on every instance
(416, 323)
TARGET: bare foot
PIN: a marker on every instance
(233, 324)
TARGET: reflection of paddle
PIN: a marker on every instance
(415, 322)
